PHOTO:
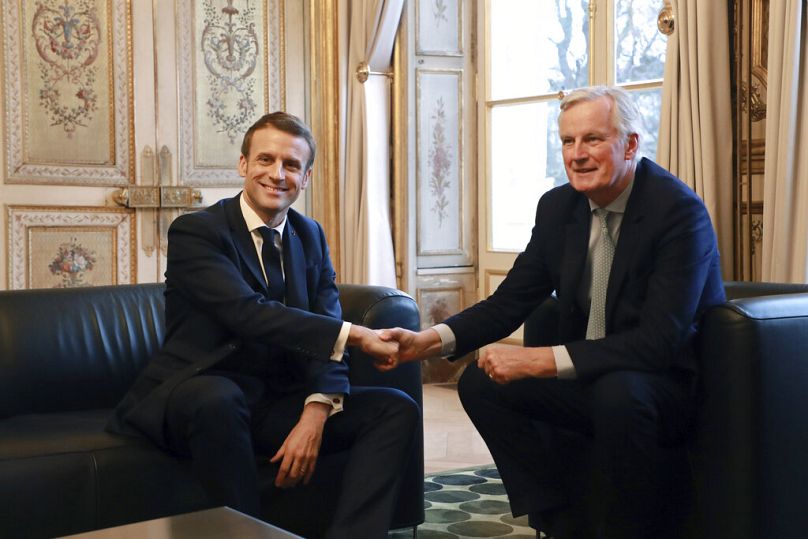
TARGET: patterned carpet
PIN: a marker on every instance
(467, 503)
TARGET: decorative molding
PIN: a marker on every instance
(230, 87)
(439, 27)
(439, 162)
(34, 231)
(757, 152)
(116, 166)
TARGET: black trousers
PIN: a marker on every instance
(604, 459)
(210, 420)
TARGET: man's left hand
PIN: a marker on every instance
(504, 363)
(298, 454)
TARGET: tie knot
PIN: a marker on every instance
(269, 235)
(603, 215)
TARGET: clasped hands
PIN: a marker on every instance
(502, 363)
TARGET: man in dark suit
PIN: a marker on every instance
(253, 360)
(616, 396)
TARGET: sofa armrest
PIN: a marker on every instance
(380, 307)
(746, 289)
(753, 432)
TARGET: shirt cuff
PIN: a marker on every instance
(564, 367)
(332, 399)
(342, 340)
(448, 342)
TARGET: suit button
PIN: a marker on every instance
(335, 400)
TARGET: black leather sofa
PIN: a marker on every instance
(749, 455)
(66, 358)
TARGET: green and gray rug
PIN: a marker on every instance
(467, 503)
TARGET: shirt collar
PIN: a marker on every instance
(253, 221)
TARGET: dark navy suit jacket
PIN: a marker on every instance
(665, 274)
(217, 313)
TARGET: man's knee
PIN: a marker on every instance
(472, 386)
(210, 398)
(621, 393)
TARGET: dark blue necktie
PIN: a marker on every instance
(272, 264)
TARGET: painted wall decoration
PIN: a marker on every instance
(66, 247)
(439, 28)
(440, 296)
(230, 63)
(68, 88)
(439, 155)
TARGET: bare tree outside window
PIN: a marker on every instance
(536, 49)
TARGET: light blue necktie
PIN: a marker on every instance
(602, 256)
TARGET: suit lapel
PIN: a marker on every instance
(628, 242)
(294, 268)
(243, 240)
(576, 240)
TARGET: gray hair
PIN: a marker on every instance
(625, 114)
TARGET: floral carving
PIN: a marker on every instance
(439, 311)
(67, 38)
(72, 261)
(230, 48)
(439, 8)
(440, 163)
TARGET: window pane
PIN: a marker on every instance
(639, 47)
(525, 162)
(650, 103)
(538, 47)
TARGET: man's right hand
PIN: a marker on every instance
(368, 340)
(411, 345)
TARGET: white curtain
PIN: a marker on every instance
(785, 181)
(695, 127)
(368, 254)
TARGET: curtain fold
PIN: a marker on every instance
(368, 255)
(785, 179)
(696, 115)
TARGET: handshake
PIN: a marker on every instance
(502, 363)
(391, 347)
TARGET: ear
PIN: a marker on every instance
(632, 146)
(306, 177)
(242, 166)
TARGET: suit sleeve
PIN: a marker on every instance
(526, 285)
(328, 376)
(204, 267)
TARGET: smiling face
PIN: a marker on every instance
(275, 173)
(598, 159)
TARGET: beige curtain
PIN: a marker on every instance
(785, 180)
(368, 254)
(695, 127)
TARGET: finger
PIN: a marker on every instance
(309, 473)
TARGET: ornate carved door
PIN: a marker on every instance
(117, 115)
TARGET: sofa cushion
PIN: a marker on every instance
(72, 349)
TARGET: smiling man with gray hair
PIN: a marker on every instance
(587, 434)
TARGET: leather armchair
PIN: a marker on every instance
(67, 356)
(749, 451)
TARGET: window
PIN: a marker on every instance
(536, 49)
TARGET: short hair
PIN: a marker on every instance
(282, 121)
(625, 114)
